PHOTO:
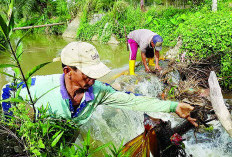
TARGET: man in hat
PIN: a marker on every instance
(147, 41)
(76, 93)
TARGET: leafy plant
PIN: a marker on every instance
(16, 53)
(117, 152)
(209, 129)
(206, 34)
(40, 135)
(171, 93)
(43, 137)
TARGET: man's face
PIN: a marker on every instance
(77, 82)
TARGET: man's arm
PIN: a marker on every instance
(147, 104)
(138, 103)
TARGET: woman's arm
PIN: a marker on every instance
(157, 60)
(145, 62)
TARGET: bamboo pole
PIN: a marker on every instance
(218, 103)
(47, 25)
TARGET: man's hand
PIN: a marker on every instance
(183, 110)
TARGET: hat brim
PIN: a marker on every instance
(95, 71)
(158, 48)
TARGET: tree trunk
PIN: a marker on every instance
(47, 25)
(142, 5)
(218, 103)
(214, 5)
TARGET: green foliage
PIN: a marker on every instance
(16, 53)
(31, 12)
(208, 34)
(36, 68)
(84, 150)
(52, 137)
(43, 137)
(226, 71)
(119, 9)
(159, 2)
(209, 129)
(117, 152)
(111, 23)
(6, 28)
(172, 92)
(84, 30)
(2, 42)
(163, 21)
(204, 33)
(7, 65)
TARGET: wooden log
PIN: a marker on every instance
(47, 25)
(218, 103)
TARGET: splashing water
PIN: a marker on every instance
(109, 124)
(115, 125)
(150, 87)
(210, 144)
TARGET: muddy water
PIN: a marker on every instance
(40, 48)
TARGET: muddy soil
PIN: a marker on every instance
(9, 146)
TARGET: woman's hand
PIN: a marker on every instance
(147, 69)
(158, 67)
(183, 110)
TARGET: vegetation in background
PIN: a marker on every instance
(208, 34)
(40, 12)
(204, 33)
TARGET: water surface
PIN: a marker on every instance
(43, 48)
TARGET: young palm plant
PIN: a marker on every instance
(15, 54)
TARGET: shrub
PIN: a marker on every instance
(204, 32)
(207, 33)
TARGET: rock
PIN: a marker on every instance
(174, 77)
(106, 33)
(141, 83)
(173, 53)
(95, 38)
(116, 86)
(71, 30)
(113, 40)
(96, 18)
(18, 149)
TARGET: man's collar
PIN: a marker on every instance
(63, 90)
(88, 94)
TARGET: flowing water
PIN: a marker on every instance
(39, 49)
(109, 124)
